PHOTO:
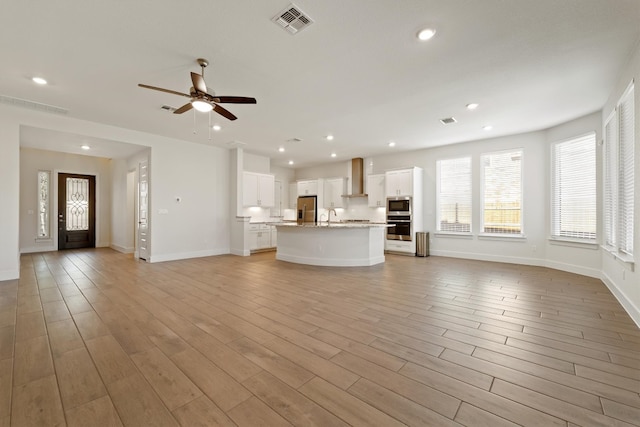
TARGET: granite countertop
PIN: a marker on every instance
(333, 225)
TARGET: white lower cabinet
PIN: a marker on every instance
(400, 246)
(261, 236)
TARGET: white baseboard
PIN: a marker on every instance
(632, 310)
(577, 269)
(241, 252)
(34, 249)
(331, 262)
(122, 249)
(187, 255)
(9, 275)
(493, 258)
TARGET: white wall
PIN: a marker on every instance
(124, 185)
(198, 224)
(9, 196)
(32, 161)
(622, 278)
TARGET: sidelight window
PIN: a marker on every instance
(44, 205)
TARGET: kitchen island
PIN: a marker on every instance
(335, 245)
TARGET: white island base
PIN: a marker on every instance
(338, 245)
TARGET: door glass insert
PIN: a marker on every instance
(77, 204)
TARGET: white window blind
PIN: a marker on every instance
(573, 189)
(502, 192)
(454, 195)
(619, 175)
(625, 171)
(610, 178)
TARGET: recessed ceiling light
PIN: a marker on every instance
(281, 149)
(290, 162)
(39, 80)
(392, 144)
(216, 127)
(333, 154)
(487, 127)
(472, 106)
(85, 147)
(426, 34)
(329, 137)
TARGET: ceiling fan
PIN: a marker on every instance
(201, 100)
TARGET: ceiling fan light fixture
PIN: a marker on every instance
(202, 106)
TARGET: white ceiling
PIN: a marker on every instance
(358, 72)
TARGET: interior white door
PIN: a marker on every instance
(143, 211)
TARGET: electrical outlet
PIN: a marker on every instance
(534, 248)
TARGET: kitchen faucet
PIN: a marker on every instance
(329, 215)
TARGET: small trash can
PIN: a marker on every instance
(422, 243)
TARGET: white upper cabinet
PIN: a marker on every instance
(258, 190)
(376, 191)
(334, 188)
(308, 188)
(399, 182)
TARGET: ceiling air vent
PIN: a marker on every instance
(448, 120)
(294, 140)
(292, 19)
(17, 102)
(168, 108)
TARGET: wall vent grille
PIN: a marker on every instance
(17, 102)
(292, 19)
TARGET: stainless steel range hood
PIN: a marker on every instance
(357, 178)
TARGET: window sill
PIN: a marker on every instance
(452, 235)
(43, 239)
(626, 259)
(503, 237)
(573, 243)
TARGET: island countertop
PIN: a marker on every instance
(332, 225)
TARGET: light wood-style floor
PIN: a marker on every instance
(96, 338)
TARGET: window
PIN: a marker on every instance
(454, 195)
(44, 186)
(502, 192)
(619, 176)
(573, 189)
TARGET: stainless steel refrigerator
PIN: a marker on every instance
(307, 211)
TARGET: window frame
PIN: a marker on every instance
(439, 230)
(556, 206)
(483, 188)
(618, 198)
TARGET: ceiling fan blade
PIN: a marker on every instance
(223, 112)
(185, 107)
(234, 100)
(164, 90)
(198, 82)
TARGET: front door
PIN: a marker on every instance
(76, 211)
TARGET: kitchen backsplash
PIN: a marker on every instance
(357, 208)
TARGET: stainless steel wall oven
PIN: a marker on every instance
(399, 219)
